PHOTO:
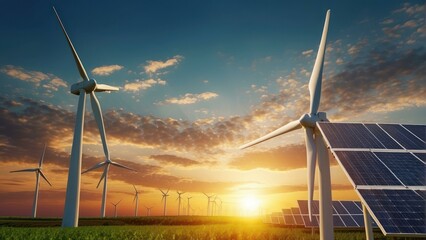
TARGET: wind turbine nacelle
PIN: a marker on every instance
(87, 86)
(308, 120)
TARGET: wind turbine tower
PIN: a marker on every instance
(179, 198)
(115, 208)
(208, 202)
(189, 206)
(136, 200)
(38, 173)
(148, 211)
(87, 86)
(164, 198)
(315, 146)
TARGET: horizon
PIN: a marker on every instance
(197, 80)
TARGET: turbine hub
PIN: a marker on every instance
(88, 86)
(308, 120)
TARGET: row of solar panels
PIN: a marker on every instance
(374, 136)
(386, 165)
(345, 214)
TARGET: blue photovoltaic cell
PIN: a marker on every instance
(347, 135)
(422, 193)
(398, 211)
(384, 138)
(339, 208)
(365, 169)
(295, 211)
(303, 206)
(418, 130)
(403, 137)
(422, 156)
(359, 219)
(308, 223)
(298, 218)
(406, 167)
(351, 207)
(289, 220)
(348, 220)
(337, 221)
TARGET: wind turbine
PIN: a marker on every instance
(136, 200)
(87, 86)
(148, 210)
(39, 173)
(106, 164)
(208, 202)
(189, 206)
(115, 208)
(179, 198)
(164, 198)
(314, 142)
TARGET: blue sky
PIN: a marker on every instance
(197, 79)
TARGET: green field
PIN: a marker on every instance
(212, 228)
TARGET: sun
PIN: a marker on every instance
(250, 205)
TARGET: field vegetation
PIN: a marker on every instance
(194, 227)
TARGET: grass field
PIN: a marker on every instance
(212, 228)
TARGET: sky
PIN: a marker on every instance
(197, 79)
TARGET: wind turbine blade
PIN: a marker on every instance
(97, 112)
(42, 157)
(26, 170)
(284, 129)
(162, 191)
(102, 177)
(105, 88)
(135, 188)
(80, 67)
(122, 166)
(167, 192)
(95, 167)
(43, 176)
(311, 157)
(316, 76)
(119, 201)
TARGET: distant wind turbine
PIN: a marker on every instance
(179, 198)
(189, 206)
(38, 173)
(164, 198)
(208, 202)
(315, 145)
(148, 211)
(115, 208)
(87, 86)
(136, 200)
(106, 164)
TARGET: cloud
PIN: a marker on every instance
(339, 61)
(190, 98)
(356, 48)
(106, 70)
(387, 21)
(174, 160)
(154, 66)
(411, 9)
(277, 159)
(50, 81)
(307, 53)
(143, 84)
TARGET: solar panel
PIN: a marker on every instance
(351, 207)
(345, 214)
(338, 208)
(398, 211)
(390, 180)
(346, 135)
(403, 137)
(382, 136)
(365, 168)
(418, 130)
(405, 166)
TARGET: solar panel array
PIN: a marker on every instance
(386, 165)
(345, 214)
